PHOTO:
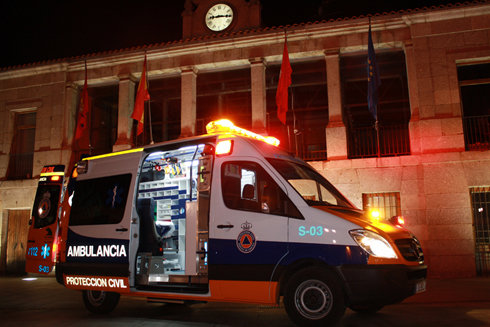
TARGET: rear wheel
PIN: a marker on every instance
(100, 301)
(314, 297)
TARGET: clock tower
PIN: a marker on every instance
(208, 17)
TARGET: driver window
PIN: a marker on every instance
(246, 186)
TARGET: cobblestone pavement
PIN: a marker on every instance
(43, 302)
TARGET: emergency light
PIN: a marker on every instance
(226, 126)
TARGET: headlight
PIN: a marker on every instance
(373, 243)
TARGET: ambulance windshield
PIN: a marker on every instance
(312, 186)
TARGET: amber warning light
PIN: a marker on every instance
(226, 126)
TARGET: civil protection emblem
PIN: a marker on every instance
(44, 205)
(246, 241)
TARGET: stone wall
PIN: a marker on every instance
(434, 195)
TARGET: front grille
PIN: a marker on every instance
(410, 249)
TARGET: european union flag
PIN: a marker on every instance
(373, 78)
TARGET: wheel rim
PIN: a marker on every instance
(313, 299)
(96, 298)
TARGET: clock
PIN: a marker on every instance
(219, 17)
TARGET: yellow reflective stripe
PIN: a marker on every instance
(114, 154)
(58, 173)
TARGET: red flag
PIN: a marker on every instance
(283, 84)
(139, 105)
(83, 113)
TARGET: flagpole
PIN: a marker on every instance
(376, 127)
(89, 118)
(373, 85)
(149, 102)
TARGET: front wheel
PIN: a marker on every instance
(100, 301)
(314, 297)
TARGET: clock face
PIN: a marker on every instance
(219, 17)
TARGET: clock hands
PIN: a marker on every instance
(219, 16)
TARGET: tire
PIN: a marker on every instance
(366, 309)
(314, 297)
(100, 301)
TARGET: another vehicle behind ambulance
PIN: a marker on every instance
(43, 226)
(230, 217)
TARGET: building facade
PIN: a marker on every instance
(429, 160)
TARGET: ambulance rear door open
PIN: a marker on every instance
(98, 237)
(173, 219)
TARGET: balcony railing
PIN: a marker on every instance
(477, 133)
(314, 155)
(394, 140)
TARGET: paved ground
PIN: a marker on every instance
(43, 302)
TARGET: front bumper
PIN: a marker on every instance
(381, 284)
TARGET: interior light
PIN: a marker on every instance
(226, 126)
(224, 147)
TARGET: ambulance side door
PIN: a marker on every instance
(248, 228)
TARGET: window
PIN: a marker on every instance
(386, 204)
(246, 186)
(474, 82)
(22, 150)
(393, 106)
(103, 120)
(224, 94)
(45, 205)
(310, 185)
(307, 115)
(100, 201)
(165, 110)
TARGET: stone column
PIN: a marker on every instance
(125, 109)
(413, 93)
(69, 122)
(259, 105)
(70, 113)
(188, 102)
(335, 132)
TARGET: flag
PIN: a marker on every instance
(373, 78)
(81, 130)
(142, 95)
(283, 85)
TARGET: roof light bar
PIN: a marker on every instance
(226, 126)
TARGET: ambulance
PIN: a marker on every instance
(229, 217)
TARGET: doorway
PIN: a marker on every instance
(17, 229)
(480, 204)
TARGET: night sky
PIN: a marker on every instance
(33, 31)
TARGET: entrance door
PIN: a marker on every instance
(17, 228)
(480, 203)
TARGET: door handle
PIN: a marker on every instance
(121, 229)
(225, 226)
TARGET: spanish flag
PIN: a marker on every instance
(283, 85)
(139, 105)
(81, 130)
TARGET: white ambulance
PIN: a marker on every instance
(229, 217)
